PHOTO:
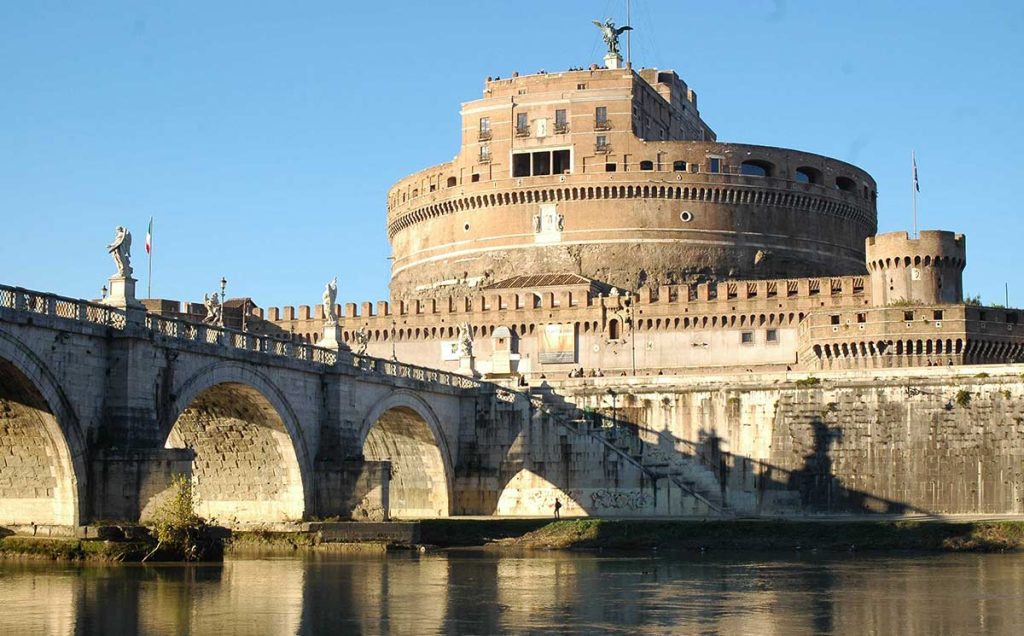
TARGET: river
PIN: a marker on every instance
(485, 592)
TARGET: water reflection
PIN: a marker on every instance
(480, 592)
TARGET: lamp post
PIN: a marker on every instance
(103, 292)
(223, 289)
(394, 354)
(613, 395)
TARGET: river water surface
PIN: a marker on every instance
(484, 592)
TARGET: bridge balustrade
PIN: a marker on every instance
(19, 299)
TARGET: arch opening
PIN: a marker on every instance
(418, 485)
(245, 467)
(38, 484)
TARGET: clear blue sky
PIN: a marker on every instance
(263, 135)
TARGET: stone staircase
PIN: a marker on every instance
(646, 449)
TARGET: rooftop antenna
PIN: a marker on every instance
(629, 39)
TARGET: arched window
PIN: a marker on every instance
(647, 165)
(613, 329)
(806, 174)
(756, 168)
(846, 184)
(679, 166)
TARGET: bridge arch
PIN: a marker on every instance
(403, 429)
(251, 461)
(42, 448)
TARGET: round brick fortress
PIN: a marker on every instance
(617, 207)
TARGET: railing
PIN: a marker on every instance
(522, 131)
(25, 300)
(60, 307)
(561, 128)
(210, 334)
(602, 125)
(485, 135)
(413, 372)
(485, 157)
(605, 148)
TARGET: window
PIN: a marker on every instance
(694, 168)
(714, 164)
(613, 329)
(521, 164)
(679, 166)
(1011, 317)
(747, 337)
(806, 174)
(862, 318)
(581, 87)
(522, 124)
(937, 315)
(541, 162)
(647, 165)
(485, 129)
(561, 123)
(485, 154)
(834, 319)
(609, 167)
(982, 316)
(601, 115)
(602, 143)
(845, 184)
(756, 168)
(475, 177)
(772, 335)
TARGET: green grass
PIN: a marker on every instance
(73, 549)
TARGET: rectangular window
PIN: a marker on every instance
(522, 124)
(485, 124)
(474, 178)
(772, 335)
(485, 154)
(601, 114)
(581, 87)
(937, 315)
(714, 164)
(560, 117)
(609, 167)
(560, 162)
(834, 319)
(747, 337)
(862, 318)
(908, 315)
(679, 166)
(601, 143)
(521, 164)
(541, 163)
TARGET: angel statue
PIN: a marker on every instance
(465, 341)
(362, 339)
(329, 298)
(611, 34)
(214, 313)
(121, 250)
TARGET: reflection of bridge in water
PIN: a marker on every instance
(101, 406)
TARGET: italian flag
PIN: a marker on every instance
(149, 237)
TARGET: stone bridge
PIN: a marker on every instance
(100, 407)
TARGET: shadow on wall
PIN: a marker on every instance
(811, 488)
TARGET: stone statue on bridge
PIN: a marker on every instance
(121, 250)
(330, 297)
(214, 310)
(465, 340)
(362, 340)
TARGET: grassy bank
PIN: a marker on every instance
(73, 549)
(980, 536)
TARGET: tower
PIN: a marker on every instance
(926, 270)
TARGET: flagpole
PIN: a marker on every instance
(913, 161)
(629, 39)
(149, 253)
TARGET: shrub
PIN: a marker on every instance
(176, 525)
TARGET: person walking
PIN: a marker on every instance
(558, 508)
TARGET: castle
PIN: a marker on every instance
(591, 220)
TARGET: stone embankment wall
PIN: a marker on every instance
(943, 441)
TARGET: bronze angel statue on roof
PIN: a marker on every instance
(611, 34)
